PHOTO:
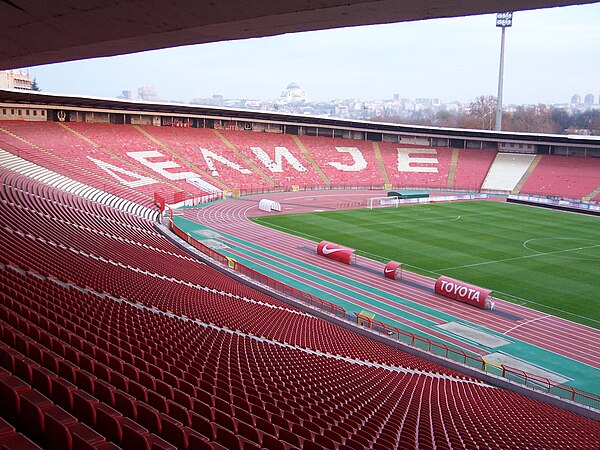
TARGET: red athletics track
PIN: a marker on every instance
(558, 335)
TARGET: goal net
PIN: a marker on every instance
(383, 202)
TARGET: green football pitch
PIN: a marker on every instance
(543, 259)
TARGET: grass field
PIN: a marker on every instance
(544, 259)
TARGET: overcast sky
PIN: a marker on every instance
(551, 54)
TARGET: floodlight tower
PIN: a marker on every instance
(503, 20)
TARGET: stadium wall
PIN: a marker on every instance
(559, 206)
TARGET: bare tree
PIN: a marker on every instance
(537, 119)
(483, 110)
(481, 114)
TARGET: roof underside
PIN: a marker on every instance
(39, 32)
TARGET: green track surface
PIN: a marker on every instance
(544, 259)
(281, 267)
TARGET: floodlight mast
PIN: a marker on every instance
(503, 20)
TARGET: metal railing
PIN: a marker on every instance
(475, 361)
(421, 342)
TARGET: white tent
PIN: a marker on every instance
(269, 205)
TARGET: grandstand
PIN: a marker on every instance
(112, 336)
(116, 333)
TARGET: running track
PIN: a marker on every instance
(560, 336)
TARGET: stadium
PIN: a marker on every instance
(186, 277)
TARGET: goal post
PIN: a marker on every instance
(383, 202)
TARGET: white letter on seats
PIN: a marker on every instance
(360, 163)
(405, 161)
(210, 155)
(277, 166)
(140, 180)
(159, 167)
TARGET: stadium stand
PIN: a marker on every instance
(136, 152)
(204, 150)
(471, 168)
(84, 191)
(135, 162)
(417, 166)
(344, 162)
(506, 171)
(285, 168)
(51, 146)
(105, 343)
(560, 175)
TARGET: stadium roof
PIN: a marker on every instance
(62, 101)
(41, 32)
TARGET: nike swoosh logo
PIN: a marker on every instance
(389, 271)
(327, 251)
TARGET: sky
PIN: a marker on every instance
(551, 54)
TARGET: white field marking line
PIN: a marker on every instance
(292, 232)
(499, 292)
(526, 323)
(548, 307)
(401, 221)
(525, 245)
(380, 258)
(520, 257)
(491, 213)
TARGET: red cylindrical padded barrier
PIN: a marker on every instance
(461, 291)
(391, 270)
(335, 251)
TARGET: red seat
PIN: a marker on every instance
(16, 441)
(10, 387)
(289, 437)
(41, 379)
(265, 426)
(126, 404)
(31, 414)
(202, 425)
(157, 401)
(23, 367)
(6, 428)
(228, 439)
(108, 423)
(57, 434)
(199, 442)
(138, 391)
(272, 443)
(249, 432)
(173, 432)
(104, 392)
(84, 407)
(7, 359)
(84, 438)
(62, 392)
(302, 431)
(224, 420)
(164, 389)
(178, 412)
(158, 443)
(84, 381)
(149, 418)
(134, 435)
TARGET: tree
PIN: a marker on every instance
(595, 123)
(532, 119)
(35, 86)
(562, 118)
(483, 110)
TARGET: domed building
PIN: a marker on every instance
(294, 94)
